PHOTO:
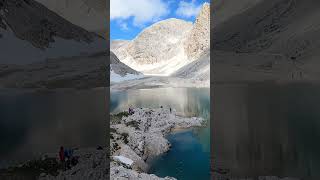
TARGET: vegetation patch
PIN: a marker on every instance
(125, 137)
(134, 124)
(116, 118)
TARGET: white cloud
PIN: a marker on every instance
(188, 9)
(142, 11)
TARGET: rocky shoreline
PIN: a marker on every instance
(140, 137)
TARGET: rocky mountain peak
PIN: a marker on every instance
(199, 38)
(204, 16)
(159, 41)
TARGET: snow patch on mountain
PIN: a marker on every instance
(121, 72)
(116, 78)
(196, 70)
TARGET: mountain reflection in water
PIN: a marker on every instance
(264, 129)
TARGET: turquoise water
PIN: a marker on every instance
(189, 156)
(187, 159)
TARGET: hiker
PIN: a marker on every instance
(61, 154)
(170, 110)
(130, 111)
(71, 159)
(161, 107)
(62, 157)
(67, 154)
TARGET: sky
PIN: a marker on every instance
(129, 17)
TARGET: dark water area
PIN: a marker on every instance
(35, 123)
(267, 129)
(189, 156)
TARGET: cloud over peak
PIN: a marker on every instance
(188, 9)
(142, 11)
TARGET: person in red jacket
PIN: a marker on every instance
(61, 156)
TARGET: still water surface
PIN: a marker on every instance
(33, 123)
(267, 129)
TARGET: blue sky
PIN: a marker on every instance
(130, 17)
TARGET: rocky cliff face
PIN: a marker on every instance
(159, 42)
(198, 39)
(267, 40)
(166, 46)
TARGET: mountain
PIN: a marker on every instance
(40, 49)
(121, 72)
(36, 33)
(268, 40)
(197, 48)
(166, 46)
(157, 49)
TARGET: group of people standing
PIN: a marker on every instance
(66, 158)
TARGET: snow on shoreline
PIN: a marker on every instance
(116, 78)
